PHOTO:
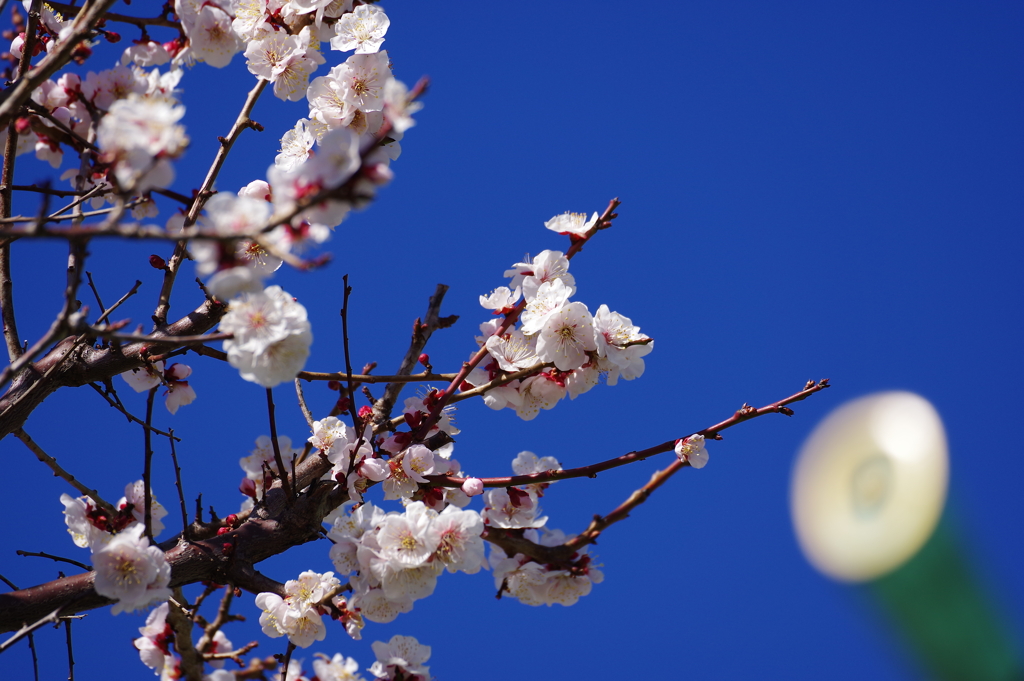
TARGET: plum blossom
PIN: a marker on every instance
(271, 336)
(575, 224)
(500, 299)
(547, 266)
(138, 136)
(398, 107)
(212, 39)
(567, 336)
(458, 541)
(135, 494)
(512, 508)
(691, 450)
(131, 571)
(338, 668)
(145, 377)
(157, 635)
(473, 487)
(295, 145)
(285, 60)
(621, 343)
(179, 392)
(364, 76)
(401, 657)
(361, 30)
(546, 300)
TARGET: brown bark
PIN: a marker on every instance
(75, 362)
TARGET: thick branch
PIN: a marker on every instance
(73, 363)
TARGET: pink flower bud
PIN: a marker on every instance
(473, 487)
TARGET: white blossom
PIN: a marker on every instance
(571, 223)
(361, 30)
(338, 668)
(131, 571)
(212, 39)
(402, 654)
(567, 336)
(512, 509)
(691, 450)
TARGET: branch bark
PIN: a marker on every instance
(73, 362)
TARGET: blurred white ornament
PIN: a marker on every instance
(869, 485)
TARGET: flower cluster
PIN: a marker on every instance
(128, 569)
(261, 466)
(573, 348)
(519, 575)
(178, 393)
(536, 584)
(395, 558)
(271, 336)
(298, 614)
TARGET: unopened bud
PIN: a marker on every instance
(248, 488)
(365, 411)
(158, 263)
(473, 487)
(22, 124)
(334, 385)
(424, 359)
(112, 36)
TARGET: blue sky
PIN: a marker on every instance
(808, 190)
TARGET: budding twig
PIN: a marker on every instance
(510, 319)
(598, 524)
(59, 559)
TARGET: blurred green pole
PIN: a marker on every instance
(937, 603)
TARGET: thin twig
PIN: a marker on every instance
(157, 340)
(120, 407)
(223, 617)
(47, 190)
(92, 285)
(71, 654)
(434, 414)
(71, 10)
(421, 332)
(147, 471)
(76, 260)
(177, 481)
(285, 484)
(75, 232)
(306, 414)
(370, 378)
(181, 622)
(287, 660)
(120, 301)
(356, 421)
(242, 122)
(29, 628)
(598, 524)
(60, 472)
(59, 559)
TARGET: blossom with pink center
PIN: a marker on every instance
(566, 337)
(691, 450)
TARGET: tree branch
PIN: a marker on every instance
(421, 332)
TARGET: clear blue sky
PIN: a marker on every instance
(808, 190)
